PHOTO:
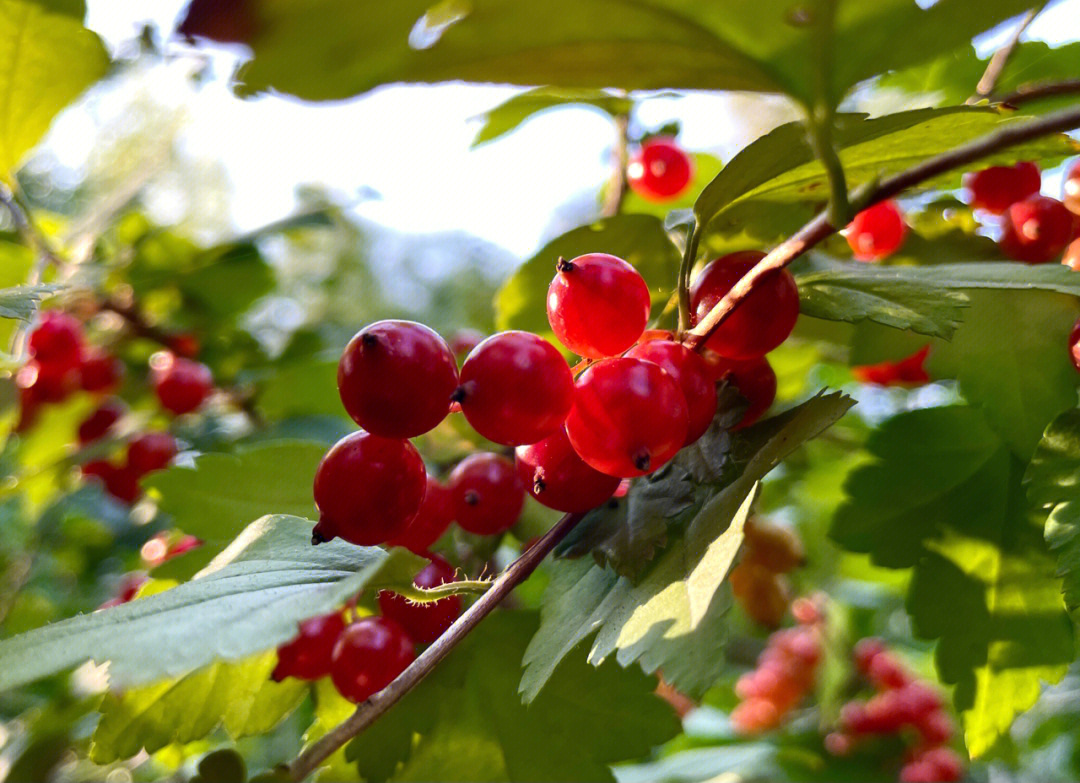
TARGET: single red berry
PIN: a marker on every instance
(127, 589)
(488, 495)
(166, 546)
(516, 388)
(918, 700)
(464, 340)
(947, 765)
(838, 743)
(558, 478)
(854, 718)
(1074, 345)
(806, 611)
(753, 378)
(876, 232)
(761, 321)
(909, 371)
(98, 423)
(424, 622)
(597, 305)
(936, 728)
(693, 376)
(629, 417)
(122, 483)
(660, 170)
(181, 385)
(57, 339)
(368, 489)
(368, 655)
(431, 521)
(996, 188)
(184, 344)
(887, 672)
(755, 716)
(919, 772)
(1071, 258)
(101, 371)
(151, 451)
(48, 381)
(307, 657)
(97, 469)
(865, 652)
(1070, 190)
(182, 545)
(396, 377)
(1036, 230)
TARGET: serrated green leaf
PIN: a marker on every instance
(511, 113)
(21, 302)
(239, 696)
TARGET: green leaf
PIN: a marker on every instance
(511, 113)
(228, 281)
(471, 724)
(239, 696)
(638, 239)
(943, 496)
(303, 388)
(249, 599)
(51, 59)
(21, 302)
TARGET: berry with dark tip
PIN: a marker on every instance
(488, 495)
(368, 655)
(558, 478)
(424, 622)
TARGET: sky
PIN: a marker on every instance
(411, 144)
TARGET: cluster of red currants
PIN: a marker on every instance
(903, 705)
(758, 582)
(785, 674)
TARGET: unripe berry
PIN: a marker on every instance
(1036, 230)
(424, 622)
(597, 305)
(629, 417)
(996, 188)
(761, 321)
(431, 521)
(876, 232)
(773, 547)
(558, 478)
(516, 388)
(754, 379)
(307, 657)
(368, 655)
(57, 339)
(368, 489)
(755, 716)
(1070, 189)
(488, 495)
(97, 424)
(151, 451)
(181, 385)
(761, 593)
(396, 378)
(100, 371)
(660, 170)
(692, 374)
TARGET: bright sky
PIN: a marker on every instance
(411, 144)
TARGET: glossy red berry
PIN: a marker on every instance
(996, 188)
(151, 451)
(753, 378)
(761, 321)
(368, 489)
(431, 521)
(876, 232)
(597, 305)
(396, 377)
(368, 655)
(1074, 345)
(1036, 230)
(308, 656)
(660, 170)
(629, 417)
(558, 478)
(101, 371)
(488, 495)
(1070, 189)
(57, 339)
(181, 385)
(692, 374)
(516, 388)
(424, 622)
(98, 423)
(1071, 258)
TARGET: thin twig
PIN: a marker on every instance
(1037, 91)
(617, 186)
(997, 63)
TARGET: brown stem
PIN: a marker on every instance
(1034, 92)
(997, 63)
(616, 189)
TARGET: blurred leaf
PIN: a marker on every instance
(230, 284)
(304, 388)
(511, 113)
(221, 766)
(21, 301)
(742, 761)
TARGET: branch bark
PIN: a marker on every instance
(1034, 92)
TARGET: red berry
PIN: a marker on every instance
(660, 170)
(759, 323)
(184, 344)
(806, 611)
(692, 374)
(151, 451)
(98, 468)
(47, 381)
(424, 622)
(753, 378)
(887, 672)
(1071, 258)
(368, 655)
(488, 495)
(58, 339)
(1036, 230)
(1070, 191)
(101, 371)
(754, 716)
(368, 489)
(909, 371)
(464, 340)
(127, 589)
(918, 700)
(597, 305)
(307, 657)
(838, 744)
(919, 772)
(855, 719)
(431, 521)
(877, 231)
(936, 727)
(947, 765)
(164, 547)
(396, 378)
(997, 188)
(629, 417)
(98, 423)
(865, 652)
(123, 483)
(558, 478)
(516, 388)
(181, 385)
(1074, 345)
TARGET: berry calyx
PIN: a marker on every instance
(396, 377)
(761, 321)
(1036, 230)
(151, 451)
(516, 388)
(368, 655)
(558, 478)
(597, 305)
(424, 622)
(181, 385)
(308, 656)
(97, 424)
(997, 188)
(660, 170)
(876, 232)
(57, 339)
(690, 371)
(431, 521)
(368, 489)
(488, 495)
(754, 379)
(1070, 189)
(629, 417)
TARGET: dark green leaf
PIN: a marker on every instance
(509, 114)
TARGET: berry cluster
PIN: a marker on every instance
(769, 552)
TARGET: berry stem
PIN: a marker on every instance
(819, 126)
(372, 709)
(617, 186)
(994, 68)
(1039, 90)
(693, 236)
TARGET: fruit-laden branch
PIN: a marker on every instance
(820, 228)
